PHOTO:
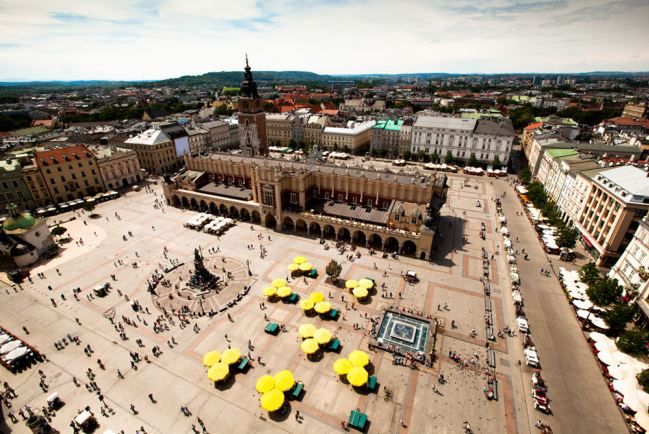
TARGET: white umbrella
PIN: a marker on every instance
(607, 358)
(598, 337)
(622, 372)
(582, 304)
(631, 399)
(577, 294)
(581, 313)
(10, 346)
(16, 354)
(624, 387)
(607, 346)
(504, 230)
(643, 397)
(642, 419)
(4, 338)
(599, 323)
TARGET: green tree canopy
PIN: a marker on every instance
(618, 317)
(633, 342)
(333, 269)
(448, 159)
(604, 292)
(58, 230)
(473, 161)
(497, 164)
(567, 237)
(589, 273)
(643, 380)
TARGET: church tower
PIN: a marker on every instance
(252, 118)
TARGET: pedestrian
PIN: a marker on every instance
(151, 398)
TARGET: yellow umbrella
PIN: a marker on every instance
(366, 283)
(351, 284)
(284, 380)
(218, 371)
(272, 400)
(299, 260)
(342, 366)
(230, 356)
(307, 304)
(211, 358)
(270, 291)
(360, 292)
(284, 291)
(357, 376)
(306, 330)
(359, 358)
(293, 267)
(306, 267)
(316, 297)
(309, 346)
(322, 336)
(278, 283)
(265, 383)
(323, 307)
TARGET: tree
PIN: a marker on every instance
(346, 149)
(604, 292)
(292, 144)
(567, 237)
(525, 176)
(618, 316)
(643, 380)
(449, 158)
(420, 155)
(90, 208)
(57, 231)
(633, 342)
(473, 161)
(333, 270)
(497, 164)
(589, 274)
(434, 157)
(407, 155)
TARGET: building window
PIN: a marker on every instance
(268, 197)
(292, 198)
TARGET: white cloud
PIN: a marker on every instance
(149, 39)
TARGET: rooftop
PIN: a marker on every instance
(628, 178)
(444, 122)
(151, 136)
(390, 125)
(560, 152)
(502, 127)
(354, 128)
(62, 154)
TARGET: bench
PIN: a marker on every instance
(243, 364)
(334, 345)
(333, 314)
(293, 298)
(297, 390)
(491, 358)
(372, 382)
(487, 305)
(313, 273)
(357, 420)
(272, 328)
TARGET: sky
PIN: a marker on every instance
(157, 39)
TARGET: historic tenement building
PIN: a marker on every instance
(385, 211)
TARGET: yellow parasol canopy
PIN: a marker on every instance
(293, 267)
(309, 346)
(284, 380)
(366, 283)
(218, 371)
(351, 284)
(307, 304)
(270, 291)
(342, 366)
(360, 292)
(299, 260)
(316, 297)
(278, 283)
(211, 358)
(283, 291)
(272, 400)
(306, 267)
(322, 336)
(230, 356)
(323, 307)
(265, 383)
(306, 330)
(359, 358)
(357, 376)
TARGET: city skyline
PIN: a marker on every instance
(152, 40)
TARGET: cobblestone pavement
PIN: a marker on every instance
(177, 378)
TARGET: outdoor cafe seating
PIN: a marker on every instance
(357, 420)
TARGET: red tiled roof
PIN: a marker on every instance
(534, 126)
(44, 122)
(58, 155)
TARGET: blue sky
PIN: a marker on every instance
(153, 39)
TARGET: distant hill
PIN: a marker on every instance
(233, 78)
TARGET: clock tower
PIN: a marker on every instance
(252, 118)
